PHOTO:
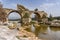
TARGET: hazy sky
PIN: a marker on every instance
(49, 6)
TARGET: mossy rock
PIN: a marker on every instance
(13, 26)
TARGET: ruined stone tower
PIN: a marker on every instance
(2, 13)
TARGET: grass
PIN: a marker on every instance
(17, 37)
(43, 25)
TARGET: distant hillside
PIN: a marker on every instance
(14, 19)
(58, 17)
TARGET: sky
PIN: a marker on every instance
(49, 6)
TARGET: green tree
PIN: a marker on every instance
(26, 15)
(50, 18)
(36, 9)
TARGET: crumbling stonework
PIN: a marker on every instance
(20, 10)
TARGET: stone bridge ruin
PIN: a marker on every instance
(21, 10)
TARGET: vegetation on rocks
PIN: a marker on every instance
(12, 25)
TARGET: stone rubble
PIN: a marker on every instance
(8, 34)
(25, 35)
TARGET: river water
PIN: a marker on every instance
(49, 33)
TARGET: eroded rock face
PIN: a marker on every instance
(7, 34)
(25, 35)
(2, 15)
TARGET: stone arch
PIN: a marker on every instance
(38, 18)
(37, 14)
(14, 11)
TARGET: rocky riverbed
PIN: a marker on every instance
(14, 34)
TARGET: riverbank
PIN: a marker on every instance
(14, 34)
(26, 35)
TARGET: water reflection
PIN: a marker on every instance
(40, 30)
(37, 30)
(32, 28)
(51, 34)
(55, 28)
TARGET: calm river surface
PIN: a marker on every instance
(49, 33)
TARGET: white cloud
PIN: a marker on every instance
(10, 6)
(49, 5)
(13, 5)
(47, 0)
(51, 8)
(1, 1)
